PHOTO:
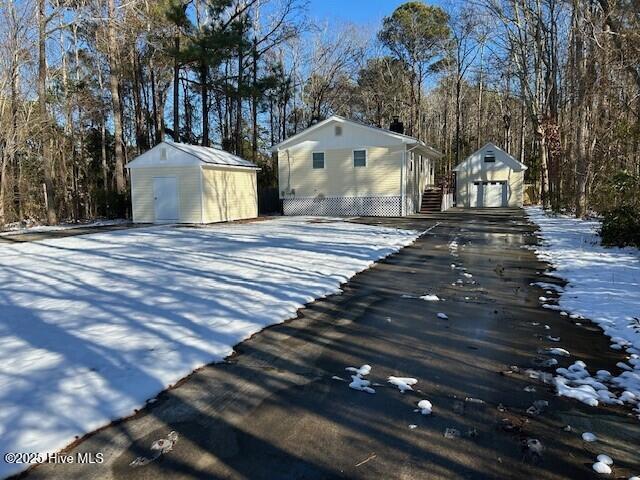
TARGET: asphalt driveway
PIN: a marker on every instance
(276, 410)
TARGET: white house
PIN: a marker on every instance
(489, 177)
(180, 183)
(341, 167)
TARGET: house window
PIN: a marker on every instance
(489, 157)
(318, 159)
(338, 130)
(359, 158)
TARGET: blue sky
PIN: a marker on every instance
(370, 12)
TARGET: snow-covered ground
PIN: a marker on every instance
(94, 325)
(17, 229)
(603, 286)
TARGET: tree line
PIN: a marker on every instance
(86, 85)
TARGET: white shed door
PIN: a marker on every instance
(493, 194)
(165, 198)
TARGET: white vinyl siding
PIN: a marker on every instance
(142, 194)
(339, 178)
(229, 194)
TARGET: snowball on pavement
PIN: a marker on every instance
(403, 383)
(362, 371)
(425, 407)
(605, 459)
(430, 298)
(443, 316)
(561, 352)
(361, 384)
(602, 468)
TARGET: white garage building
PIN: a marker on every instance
(180, 183)
(489, 177)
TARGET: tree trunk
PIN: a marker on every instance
(176, 91)
(103, 144)
(457, 146)
(581, 127)
(238, 128)
(47, 163)
(115, 99)
(523, 130)
(480, 91)
(254, 104)
(4, 186)
(158, 98)
(204, 98)
(543, 155)
(141, 137)
(9, 156)
(188, 115)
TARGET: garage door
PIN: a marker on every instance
(494, 194)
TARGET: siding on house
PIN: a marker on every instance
(190, 207)
(339, 178)
(229, 194)
(384, 187)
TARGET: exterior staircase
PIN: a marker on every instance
(431, 200)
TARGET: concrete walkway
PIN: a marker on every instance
(273, 410)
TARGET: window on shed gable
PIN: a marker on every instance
(338, 130)
(489, 157)
(359, 158)
(318, 159)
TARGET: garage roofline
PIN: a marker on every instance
(460, 166)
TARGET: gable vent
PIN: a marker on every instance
(338, 130)
(163, 154)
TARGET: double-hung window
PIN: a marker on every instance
(318, 159)
(359, 158)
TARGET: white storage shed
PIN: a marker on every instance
(180, 183)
